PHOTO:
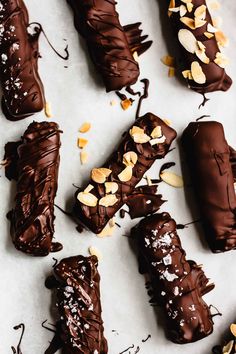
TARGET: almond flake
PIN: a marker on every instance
(140, 138)
(125, 104)
(108, 201)
(111, 187)
(221, 38)
(188, 40)
(198, 75)
(185, 73)
(189, 22)
(105, 171)
(87, 199)
(182, 10)
(81, 142)
(135, 56)
(136, 130)
(95, 252)
(168, 60)
(228, 347)
(174, 9)
(171, 72)
(233, 329)
(83, 157)
(208, 35)
(189, 7)
(157, 132)
(200, 12)
(88, 188)
(126, 174)
(85, 127)
(199, 23)
(221, 60)
(172, 179)
(107, 231)
(149, 181)
(158, 141)
(48, 110)
(211, 29)
(202, 56)
(187, 1)
(201, 45)
(130, 158)
(99, 175)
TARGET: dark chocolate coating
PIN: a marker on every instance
(80, 329)
(208, 157)
(98, 22)
(37, 163)
(95, 218)
(216, 77)
(178, 284)
(23, 93)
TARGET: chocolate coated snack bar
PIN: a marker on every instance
(147, 140)
(34, 163)
(211, 163)
(178, 284)
(80, 328)
(203, 62)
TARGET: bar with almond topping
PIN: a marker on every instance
(178, 284)
(201, 44)
(147, 140)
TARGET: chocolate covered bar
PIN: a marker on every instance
(178, 284)
(23, 92)
(147, 140)
(209, 160)
(203, 62)
(110, 45)
(34, 163)
(229, 346)
(80, 328)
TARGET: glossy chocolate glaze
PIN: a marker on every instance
(178, 284)
(108, 44)
(216, 77)
(22, 88)
(95, 218)
(80, 329)
(208, 157)
(36, 169)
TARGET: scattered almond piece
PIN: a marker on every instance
(208, 35)
(172, 5)
(113, 102)
(88, 188)
(87, 199)
(48, 110)
(221, 60)
(188, 40)
(125, 104)
(189, 6)
(105, 171)
(171, 72)
(83, 157)
(95, 252)
(168, 60)
(189, 22)
(99, 175)
(228, 347)
(135, 56)
(197, 73)
(81, 142)
(138, 135)
(157, 132)
(108, 201)
(108, 229)
(187, 74)
(233, 329)
(130, 158)
(221, 38)
(199, 23)
(85, 127)
(111, 187)
(211, 28)
(126, 174)
(202, 56)
(156, 141)
(200, 12)
(149, 181)
(172, 179)
(182, 10)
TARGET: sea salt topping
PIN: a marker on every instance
(176, 290)
(15, 46)
(148, 201)
(167, 260)
(169, 276)
(4, 58)
(163, 293)
(181, 323)
(12, 28)
(192, 308)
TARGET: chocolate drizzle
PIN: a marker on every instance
(80, 329)
(143, 97)
(35, 167)
(17, 350)
(23, 93)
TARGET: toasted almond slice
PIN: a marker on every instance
(174, 9)
(189, 7)
(107, 231)
(187, 1)
(108, 201)
(202, 56)
(199, 23)
(233, 329)
(105, 171)
(81, 142)
(125, 104)
(172, 179)
(197, 73)
(185, 73)
(188, 40)
(182, 10)
(213, 5)
(135, 56)
(48, 110)
(171, 5)
(167, 121)
(98, 176)
(136, 130)
(208, 35)
(83, 157)
(87, 199)
(168, 60)
(171, 72)
(85, 127)
(221, 38)
(88, 188)
(126, 174)
(157, 132)
(95, 252)
(149, 181)
(189, 22)
(141, 138)
(113, 102)
(221, 60)
(228, 347)
(111, 187)
(201, 45)
(200, 12)
(211, 29)
(130, 158)
(157, 141)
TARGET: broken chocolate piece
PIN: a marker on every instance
(178, 284)
(147, 140)
(23, 93)
(36, 168)
(80, 328)
(209, 159)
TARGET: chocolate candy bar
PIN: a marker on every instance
(22, 88)
(178, 284)
(36, 163)
(109, 44)
(80, 328)
(229, 346)
(203, 62)
(209, 159)
(147, 140)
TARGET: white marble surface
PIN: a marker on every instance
(76, 96)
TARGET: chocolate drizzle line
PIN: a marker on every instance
(144, 96)
(202, 117)
(18, 348)
(205, 100)
(146, 339)
(48, 328)
(124, 351)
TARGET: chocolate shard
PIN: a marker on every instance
(36, 169)
(111, 185)
(23, 93)
(80, 328)
(98, 22)
(203, 62)
(209, 159)
(137, 42)
(178, 284)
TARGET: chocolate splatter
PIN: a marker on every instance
(146, 339)
(122, 96)
(202, 117)
(124, 351)
(144, 96)
(18, 348)
(205, 100)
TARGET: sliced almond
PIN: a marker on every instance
(198, 22)
(130, 158)
(126, 174)
(83, 157)
(98, 176)
(111, 187)
(149, 181)
(108, 229)
(171, 5)
(87, 199)
(88, 188)
(211, 29)
(200, 12)
(201, 45)
(172, 179)
(157, 141)
(186, 73)
(189, 22)
(174, 9)
(228, 347)
(140, 138)
(233, 329)
(221, 38)
(197, 73)
(48, 110)
(208, 35)
(182, 10)
(171, 72)
(105, 171)
(95, 252)
(187, 1)
(125, 104)
(188, 40)
(135, 56)
(168, 60)
(189, 6)
(221, 60)
(81, 142)
(108, 201)
(157, 132)
(85, 127)
(113, 102)
(202, 56)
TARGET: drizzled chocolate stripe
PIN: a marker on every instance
(211, 163)
(215, 75)
(22, 88)
(178, 284)
(95, 216)
(98, 22)
(80, 329)
(36, 163)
